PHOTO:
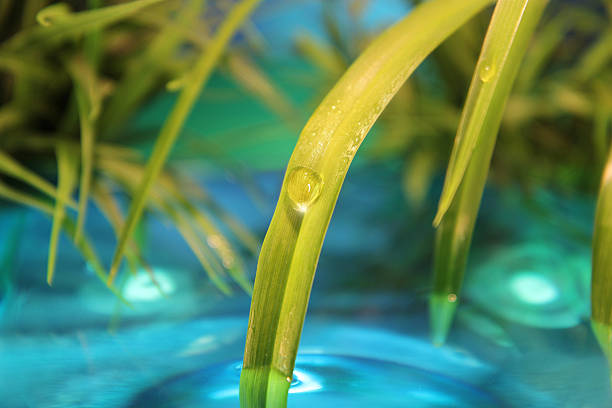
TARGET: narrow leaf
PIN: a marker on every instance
(128, 175)
(145, 72)
(13, 168)
(66, 170)
(89, 99)
(491, 84)
(479, 125)
(601, 283)
(314, 176)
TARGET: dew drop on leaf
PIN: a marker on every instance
(487, 70)
(303, 187)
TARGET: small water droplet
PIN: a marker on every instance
(333, 107)
(288, 379)
(487, 70)
(303, 187)
(452, 298)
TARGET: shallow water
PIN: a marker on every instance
(521, 337)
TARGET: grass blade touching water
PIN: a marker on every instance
(509, 32)
(601, 283)
(177, 117)
(315, 173)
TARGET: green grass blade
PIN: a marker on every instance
(13, 168)
(601, 282)
(244, 236)
(89, 100)
(19, 197)
(129, 174)
(175, 121)
(480, 122)
(219, 244)
(74, 24)
(144, 74)
(66, 170)
(491, 84)
(108, 205)
(93, 40)
(207, 259)
(314, 176)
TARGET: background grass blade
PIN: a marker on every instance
(13, 168)
(89, 98)
(128, 174)
(175, 121)
(511, 27)
(66, 170)
(144, 74)
(601, 283)
(314, 176)
(488, 93)
(73, 24)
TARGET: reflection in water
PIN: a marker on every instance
(533, 285)
(326, 381)
(141, 288)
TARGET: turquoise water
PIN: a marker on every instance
(520, 339)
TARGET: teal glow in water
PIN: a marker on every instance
(142, 288)
(533, 288)
(533, 285)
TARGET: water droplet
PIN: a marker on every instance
(487, 70)
(452, 297)
(303, 187)
(333, 107)
(288, 379)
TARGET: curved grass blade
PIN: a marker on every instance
(314, 176)
(13, 168)
(66, 170)
(475, 142)
(74, 24)
(175, 121)
(491, 84)
(601, 283)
